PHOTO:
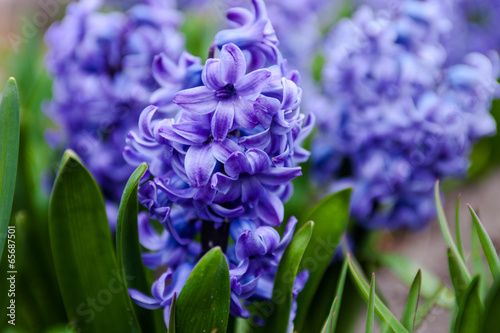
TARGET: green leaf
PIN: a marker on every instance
(173, 314)
(203, 303)
(405, 269)
(9, 151)
(491, 321)
(285, 278)
(470, 310)
(331, 322)
(457, 280)
(410, 311)
(488, 248)
(128, 248)
(330, 217)
(447, 234)
(458, 234)
(94, 293)
(370, 317)
(380, 308)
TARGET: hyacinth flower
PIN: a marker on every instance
(399, 116)
(253, 32)
(227, 148)
(254, 259)
(101, 63)
(223, 164)
(163, 294)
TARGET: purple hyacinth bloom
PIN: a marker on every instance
(101, 65)
(163, 294)
(222, 152)
(253, 32)
(232, 150)
(399, 116)
(254, 259)
(228, 94)
(165, 250)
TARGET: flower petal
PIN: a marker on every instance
(227, 212)
(143, 300)
(259, 161)
(244, 113)
(249, 244)
(270, 210)
(148, 236)
(279, 176)
(237, 164)
(288, 234)
(221, 182)
(223, 149)
(223, 118)
(199, 100)
(232, 63)
(211, 75)
(260, 140)
(200, 163)
(252, 84)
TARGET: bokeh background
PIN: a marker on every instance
(22, 49)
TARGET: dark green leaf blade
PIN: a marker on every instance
(331, 323)
(172, 315)
(128, 249)
(203, 303)
(9, 151)
(488, 248)
(380, 308)
(330, 218)
(285, 278)
(491, 321)
(370, 316)
(457, 280)
(410, 310)
(470, 310)
(94, 294)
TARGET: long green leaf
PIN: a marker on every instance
(331, 323)
(285, 278)
(488, 248)
(381, 309)
(370, 316)
(457, 280)
(491, 321)
(94, 293)
(410, 311)
(406, 269)
(458, 234)
(330, 219)
(447, 234)
(9, 151)
(128, 249)
(203, 303)
(173, 314)
(470, 311)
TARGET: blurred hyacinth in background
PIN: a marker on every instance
(399, 115)
(278, 146)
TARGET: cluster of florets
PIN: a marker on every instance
(400, 118)
(222, 165)
(101, 65)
